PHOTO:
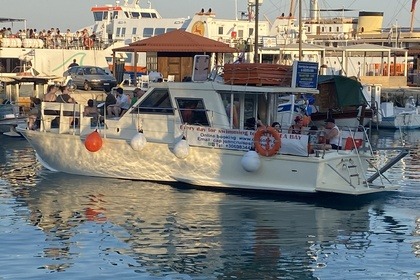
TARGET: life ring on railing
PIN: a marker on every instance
(88, 42)
(266, 150)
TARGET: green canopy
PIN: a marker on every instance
(348, 90)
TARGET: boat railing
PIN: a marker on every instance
(63, 118)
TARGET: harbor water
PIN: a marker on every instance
(60, 226)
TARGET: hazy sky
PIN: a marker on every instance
(75, 14)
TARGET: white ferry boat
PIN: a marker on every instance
(186, 132)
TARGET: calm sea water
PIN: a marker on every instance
(58, 226)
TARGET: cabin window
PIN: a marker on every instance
(159, 31)
(170, 29)
(123, 32)
(338, 29)
(192, 111)
(240, 33)
(145, 15)
(97, 16)
(148, 32)
(220, 30)
(330, 29)
(241, 118)
(251, 32)
(154, 15)
(323, 29)
(134, 32)
(127, 15)
(135, 14)
(309, 29)
(156, 102)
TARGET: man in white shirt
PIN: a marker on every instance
(332, 134)
(122, 105)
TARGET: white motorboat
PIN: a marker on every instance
(183, 131)
(395, 117)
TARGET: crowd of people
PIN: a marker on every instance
(329, 138)
(54, 38)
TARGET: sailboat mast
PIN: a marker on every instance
(413, 9)
(292, 7)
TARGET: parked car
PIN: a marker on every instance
(90, 77)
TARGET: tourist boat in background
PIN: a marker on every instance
(186, 132)
(120, 24)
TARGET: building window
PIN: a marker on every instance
(220, 30)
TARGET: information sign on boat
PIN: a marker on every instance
(305, 74)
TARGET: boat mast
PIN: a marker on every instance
(256, 58)
(292, 7)
(300, 30)
(413, 9)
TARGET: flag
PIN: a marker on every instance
(413, 5)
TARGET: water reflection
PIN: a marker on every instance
(165, 230)
(150, 229)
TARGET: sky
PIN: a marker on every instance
(75, 14)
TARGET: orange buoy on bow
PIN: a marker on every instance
(93, 142)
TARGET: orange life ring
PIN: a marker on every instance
(88, 42)
(266, 150)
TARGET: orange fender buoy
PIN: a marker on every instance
(266, 150)
(93, 142)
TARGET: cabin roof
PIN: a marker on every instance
(178, 41)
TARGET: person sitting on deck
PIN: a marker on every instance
(137, 94)
(277, 126)
(121, 106)
(332, 134)
(51, 96)
(34, 115)
(92, 111)
(297, 127)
